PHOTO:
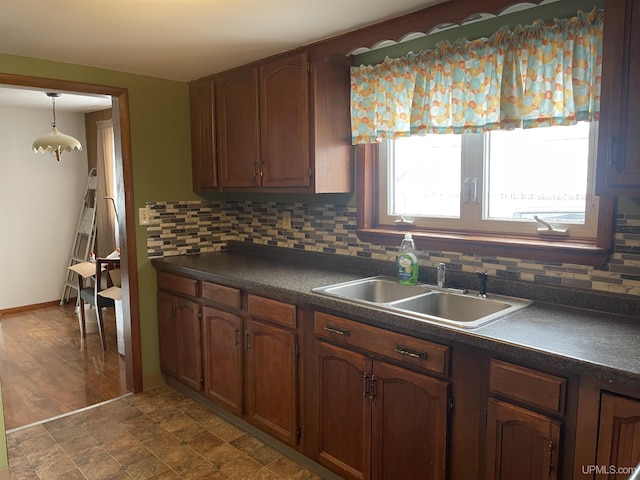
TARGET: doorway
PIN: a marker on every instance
(124, 201)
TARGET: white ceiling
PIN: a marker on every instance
(180, 39)
(19, 97)
(173, 39)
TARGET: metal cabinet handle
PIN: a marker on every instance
(337, 331)
(410, 353)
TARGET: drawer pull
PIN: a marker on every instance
(337, 331)
(411, 353)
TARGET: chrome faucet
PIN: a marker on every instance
(482, 290)
(440, 275)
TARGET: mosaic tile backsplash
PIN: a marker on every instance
(182, 228)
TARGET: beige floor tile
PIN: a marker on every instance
(156, 435)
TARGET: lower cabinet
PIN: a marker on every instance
(377, 420)
(521, 444)
(523, 441)
(180, 339)
(243, 359)
(618, 437)
(271, 380)
(271, 367)
(223, 349)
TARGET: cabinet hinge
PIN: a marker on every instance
(297, 349)
(450, 405)
(299, 432)
(202, 381)
(310, 172)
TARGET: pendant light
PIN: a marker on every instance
(55, 141)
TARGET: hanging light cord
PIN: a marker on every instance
(53, 99)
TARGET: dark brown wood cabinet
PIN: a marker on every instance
(618, 437)
(618, 168)
(167, 334)
(203, 135)
(271, 368)
(523, 441)
(180, 339)
(223, 358)
(284, 122)
(223, 346)
(271, 380)
(263, 117)
(238, 128)
(521, 444)
(283, 126)
(377, 420)
(344, 411)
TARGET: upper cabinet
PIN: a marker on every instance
(618, 171)
(203, 138)
(282, 126)
(238, 128)
(263, 119)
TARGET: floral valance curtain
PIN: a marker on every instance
(532, 76)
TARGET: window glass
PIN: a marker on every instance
(540, 171)
(425, 176)
(493, 182)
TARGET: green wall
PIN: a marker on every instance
(161, 152)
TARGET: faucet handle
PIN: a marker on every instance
(482, 290)
(440, 275)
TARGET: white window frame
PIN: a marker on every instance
(474, 149)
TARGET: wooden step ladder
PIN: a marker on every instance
(85, 236)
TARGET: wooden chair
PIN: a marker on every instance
(89, 294)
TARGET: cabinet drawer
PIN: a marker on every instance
(413, 351)
(278, 312)
(535, 388)
(178, 284)
(229, 296)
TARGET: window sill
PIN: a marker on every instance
(563, 250)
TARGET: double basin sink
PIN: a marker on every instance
(425, 302)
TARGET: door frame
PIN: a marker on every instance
(124, 197)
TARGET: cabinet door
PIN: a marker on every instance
(168, 333)
(271, 380)
(238, 133)
(521, 445)
(203, 138)
(189, 335)
(409, 429)
(344, 411)
(618, 171)
(618, 436)
(222, 333)
(284, 122)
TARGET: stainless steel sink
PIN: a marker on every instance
(373, 290)
(426, 302)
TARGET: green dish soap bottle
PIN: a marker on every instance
(407, 262)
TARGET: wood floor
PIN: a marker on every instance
(46, 370)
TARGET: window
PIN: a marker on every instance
(493, 182)
(477, 194)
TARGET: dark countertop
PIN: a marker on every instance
(580, 341)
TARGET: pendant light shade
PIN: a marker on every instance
(55, 141)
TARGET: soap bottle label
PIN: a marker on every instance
(407, 268)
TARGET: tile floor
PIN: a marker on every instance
(156, 435)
